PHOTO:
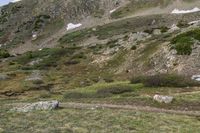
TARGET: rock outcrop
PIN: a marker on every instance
(43, 105)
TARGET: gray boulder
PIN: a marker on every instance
(43, 105)
(163, 99)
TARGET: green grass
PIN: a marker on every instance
(102, 90)
(165, 80)
(49, 57)
(193, 97)
(96, 121)
(4, 53)
(183, 43)
(104, 32)
(75, 36)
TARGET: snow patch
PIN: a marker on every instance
(194, 22)
(72, 26)
(14, 1)
(177, 11)
(196, 77)
(113, 10)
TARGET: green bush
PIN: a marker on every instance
(49, 57)
(133, 47)
(164, 29)
(114, 90)
(165, 80)
(4, 53)
(76, 95)
(184, 46)
(72, 62)
(183, 43)
(100, 92)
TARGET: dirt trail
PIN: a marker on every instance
(93, 106)
(127, 107)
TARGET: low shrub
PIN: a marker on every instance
(75, 95)
(38, 82)
(165, 80)
(183, 43)
(133, 47)
(114, 90)
(50, 58)
(164, 29)
(4, 53)
(72, 62)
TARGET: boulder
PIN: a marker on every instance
(43, 105)
(163, 99)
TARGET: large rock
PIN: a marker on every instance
(43, 105)
(163, 99)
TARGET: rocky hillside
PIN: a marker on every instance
(105, 66)
(112, 40)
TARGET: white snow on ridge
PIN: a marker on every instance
(177, 11)
(14, 1)
(72, 26)
(113, 10)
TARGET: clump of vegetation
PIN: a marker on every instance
(102, 90)
(78, 95)
(40, 21)
(98, 13)
(50, 57)
(101, 32)
(4, 53)
(72, 62)
(164, 29)
(133, 47)
(165, 80)
(115, 90)
(75, 36)
(149, 31)
(112, 43)
(182, 24)
(183, 43)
